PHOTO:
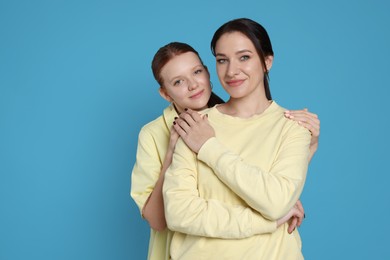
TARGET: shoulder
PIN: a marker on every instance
(159, 126)
(290, 126)
(153, 126)
(207, 110)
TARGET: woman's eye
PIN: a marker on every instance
(198, 71)
(244, 58)
(221, 61)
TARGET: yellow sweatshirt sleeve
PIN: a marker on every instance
(271, 193)
(187, 212)
(146, 170)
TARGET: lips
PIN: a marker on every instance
(198, 94)
(235, 83)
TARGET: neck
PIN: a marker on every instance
(179, 109)
(247, 106)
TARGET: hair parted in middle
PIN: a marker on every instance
(257, 34)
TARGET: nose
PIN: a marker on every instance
(233, 69)
(192, 84)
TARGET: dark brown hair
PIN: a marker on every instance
(169, 51)
(256, 34)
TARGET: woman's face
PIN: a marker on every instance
(239, 67)
(186, 82)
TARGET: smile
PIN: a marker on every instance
(197, 95)
(235, 83)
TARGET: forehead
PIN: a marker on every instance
(179, 64)
(233, 42)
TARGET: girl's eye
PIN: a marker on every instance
(244, 58)
(198, 71)
(221, 61)
(177, 82)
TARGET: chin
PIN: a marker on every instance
(200, 106)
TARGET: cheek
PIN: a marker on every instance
(253, 70)
(205, 82)
(175, 94)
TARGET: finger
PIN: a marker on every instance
(300, 206)
(179, 130)
(314, 131)
(194, 114)
(298, 212)
(187, 117)
(292, 225)
(303, 117)
(304, 112)
(191, 116)
(314, 121)
(299, 221)
(299, 216)
(301, 213)
(181, 126)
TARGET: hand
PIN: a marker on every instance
(294, 217)
(194, 129)
(306, 119)
(309, 121)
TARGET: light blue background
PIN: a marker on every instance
(76, 87)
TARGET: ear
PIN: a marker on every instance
(164, 94)
(268, 62)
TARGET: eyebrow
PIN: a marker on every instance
(174, 78)
(238, 52)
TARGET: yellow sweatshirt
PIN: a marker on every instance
(152, 146)
(153, 142)
(259, 162)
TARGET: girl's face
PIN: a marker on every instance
(186, 82)
(239, 67)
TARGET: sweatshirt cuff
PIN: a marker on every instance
(262, 225)
(210, 151)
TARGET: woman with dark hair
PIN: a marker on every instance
(244, 153)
